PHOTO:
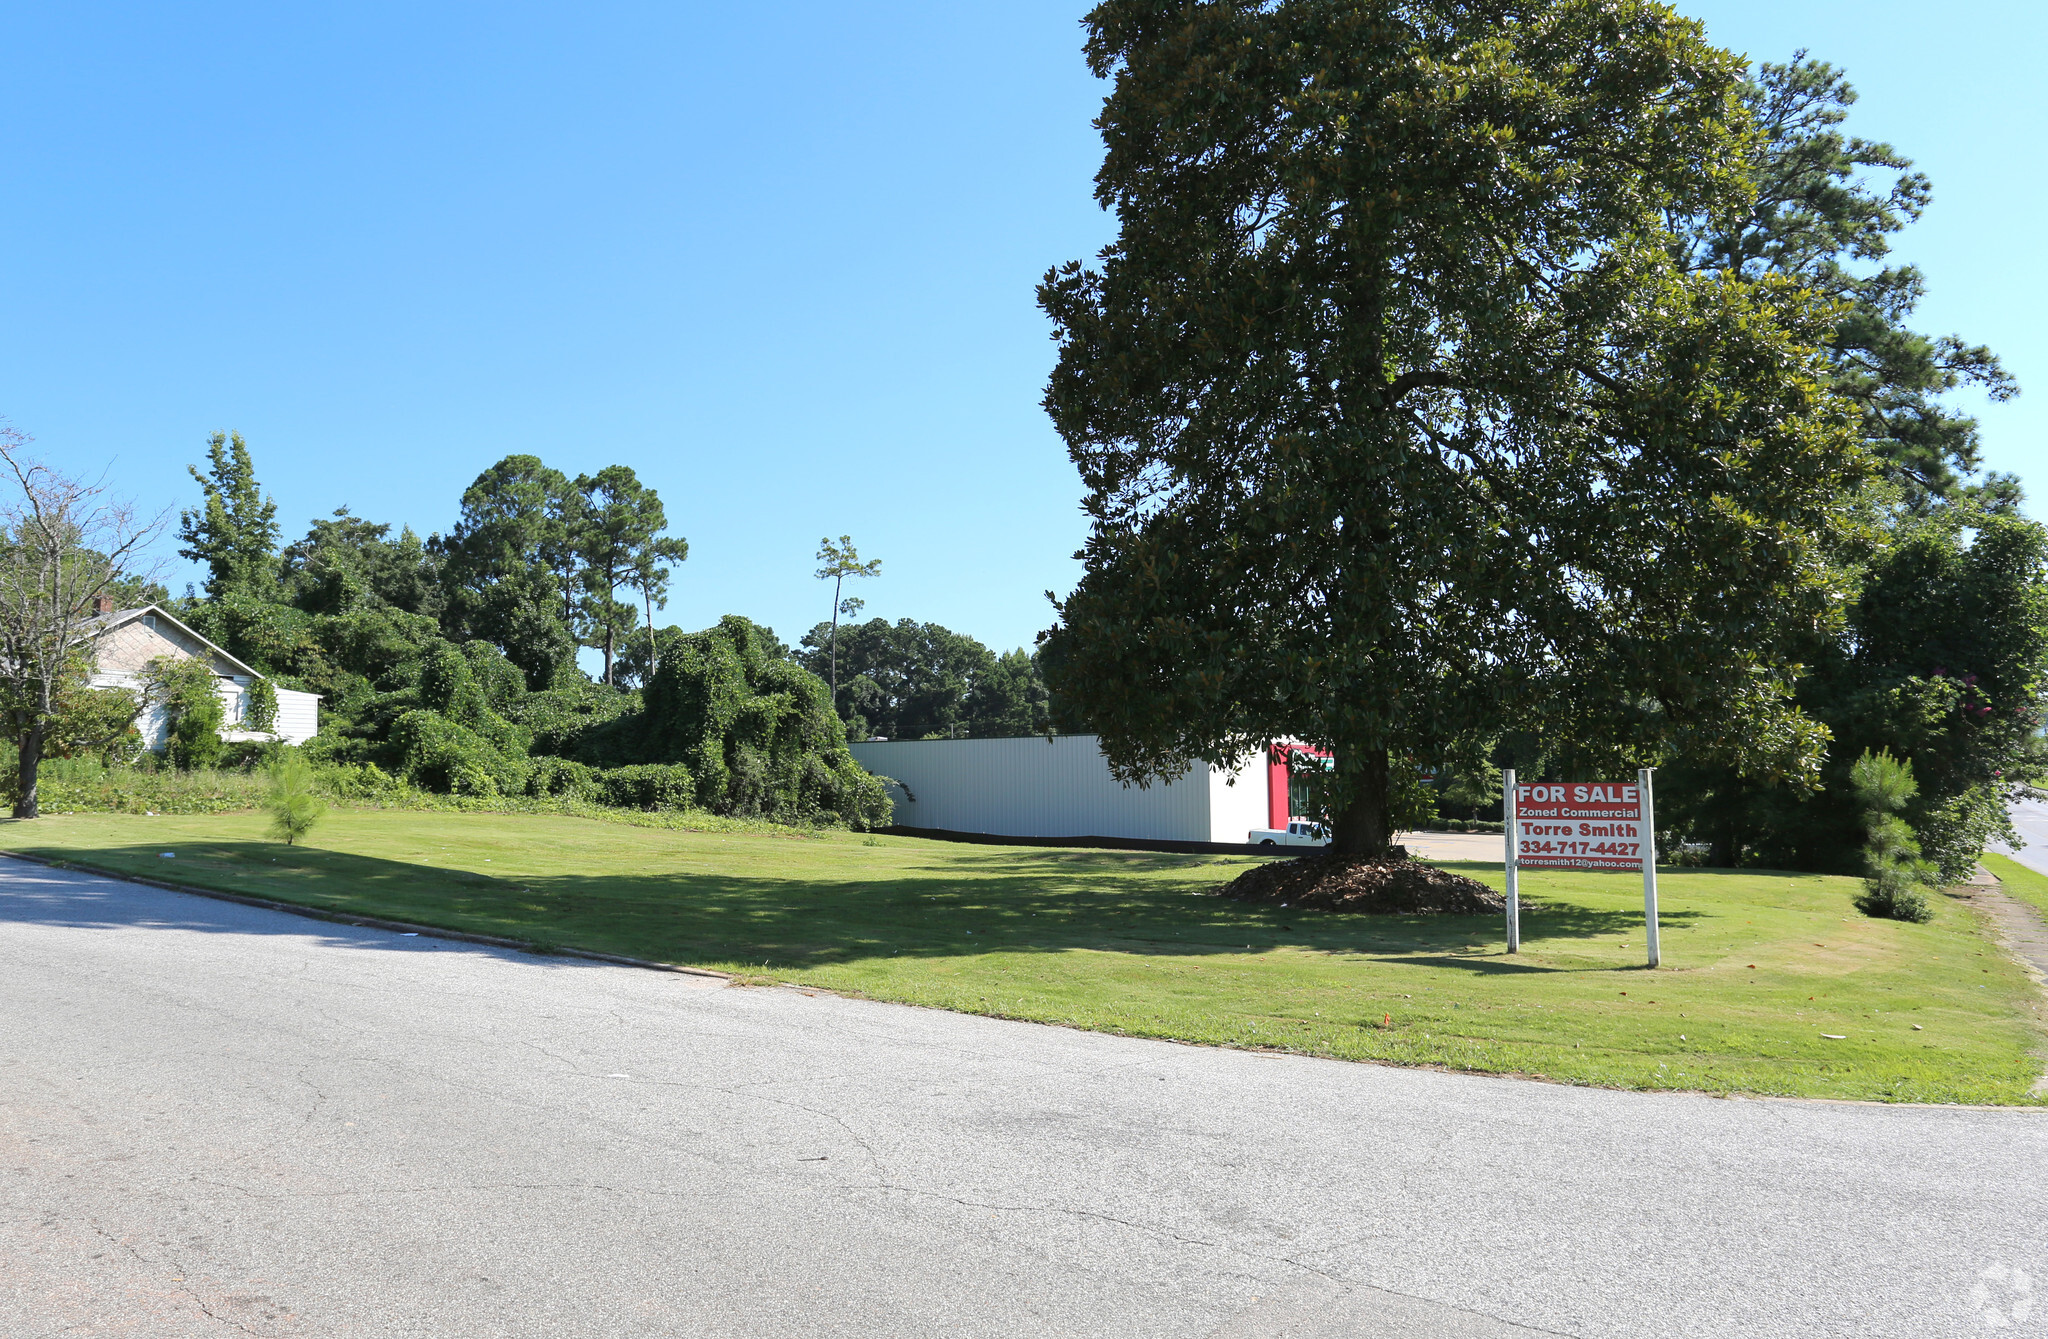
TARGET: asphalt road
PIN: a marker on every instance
(2031, 818)
(216, 1120)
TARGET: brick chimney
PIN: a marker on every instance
(103, 604)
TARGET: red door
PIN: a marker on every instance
(1279, 791)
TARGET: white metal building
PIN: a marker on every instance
(1061, 787)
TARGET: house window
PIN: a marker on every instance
(149, 621)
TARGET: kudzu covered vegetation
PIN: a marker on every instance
(447, 667)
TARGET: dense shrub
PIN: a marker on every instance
(193, 713)
(497, 679)
(646, 786)
(731, 722)
(559, 718)
(562, 778)
(436, 727)
(85, 785)
(436, 753)
(357, 781)
(259, 708)
(756, 730)
(243, 755)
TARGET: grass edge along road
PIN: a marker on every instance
(1772, 982)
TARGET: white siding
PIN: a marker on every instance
(155, 728)
(1235, 809)
(298, 715)
(1043, 788)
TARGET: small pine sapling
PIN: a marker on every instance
(291, 803)
(1895, 876)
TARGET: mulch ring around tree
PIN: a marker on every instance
(1385, 884)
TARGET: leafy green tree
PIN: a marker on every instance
(1399, 415)
(136, 592)
(903, 680)
(1826, 207)
(840, 562)
(1941, 663)
(94, 722)
(1008, 698)
(345, 562)
(639, 657)
(622, 548)
(513, 565)
(234, 530)
(1470, 788)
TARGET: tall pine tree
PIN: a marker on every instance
(234, 530)
(1826, 209)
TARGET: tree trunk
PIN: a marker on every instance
(653, 658)
(26, 805)
(1727, 848)
(833, 641)
(1363, 825)
(607, 653)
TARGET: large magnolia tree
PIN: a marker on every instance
(1401, 414)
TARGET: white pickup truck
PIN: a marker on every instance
(1296, 833)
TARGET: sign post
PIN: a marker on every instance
(1649, 824)
(1507, 791)
(1582, 825)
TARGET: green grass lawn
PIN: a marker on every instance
(1757, 966)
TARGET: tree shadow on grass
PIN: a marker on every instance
(1026, 901)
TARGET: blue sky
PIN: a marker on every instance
(779, 258)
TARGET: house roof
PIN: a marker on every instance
(101, 624)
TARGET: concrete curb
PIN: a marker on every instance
(366, 922)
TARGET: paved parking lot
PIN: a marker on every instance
(1489, 847)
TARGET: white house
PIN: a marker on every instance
(124, 641)
(1062, 787)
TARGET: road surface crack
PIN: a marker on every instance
(1094, 1214)
(183, 1273)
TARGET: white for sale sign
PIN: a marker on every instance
(1580, 825)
